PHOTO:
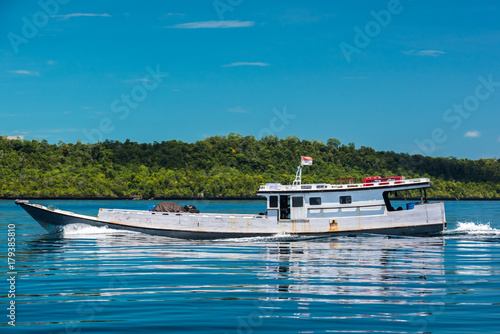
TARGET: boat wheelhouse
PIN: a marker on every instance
(354, 207)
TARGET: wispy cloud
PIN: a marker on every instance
(21, 133)
(13, 115)
(354, 78)
(63, 130)
(214, 24)
(137, 80)
(15, 137)
(303, 15)
(245, 63)
(68, 16)
(428, 53)
(237, 109)
(167, 15)
(47, 133)
(25, 72)
(472, 134)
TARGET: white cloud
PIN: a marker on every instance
(51, 62)
(64, 130)
(13, 115)
(244, 63)
(237, 109)
(472, 134)
(21, 132)
(51, 133)
(354, 78)
(299, 15)
(137, 80)
(68, 16)
(431, 53)
(24, 72)
(214, 24)
(16, 134)
(171, 14)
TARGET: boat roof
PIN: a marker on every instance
(389, 185)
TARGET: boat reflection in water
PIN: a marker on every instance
(343, 278)
(323, 267)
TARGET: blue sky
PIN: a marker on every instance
(408, 76)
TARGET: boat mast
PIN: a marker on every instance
(305, 161)
(298, 176)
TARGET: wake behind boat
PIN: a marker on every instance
(296, 209)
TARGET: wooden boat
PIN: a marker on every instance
(296, 209)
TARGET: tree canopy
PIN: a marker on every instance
(219, 167)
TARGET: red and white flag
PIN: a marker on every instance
(307, 161)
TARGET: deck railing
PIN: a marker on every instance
(323, 186)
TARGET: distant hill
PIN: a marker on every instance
(230, 166)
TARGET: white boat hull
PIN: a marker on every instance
(425, 218)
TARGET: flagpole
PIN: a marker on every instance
(298, 176)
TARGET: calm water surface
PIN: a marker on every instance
(97, 280)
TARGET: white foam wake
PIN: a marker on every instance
(271, 238)
(474, 229)
(75, 230)
(471, 227)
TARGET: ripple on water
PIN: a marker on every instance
(100, 280)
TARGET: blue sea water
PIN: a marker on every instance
(98, 280)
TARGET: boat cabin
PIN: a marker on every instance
(299, 202)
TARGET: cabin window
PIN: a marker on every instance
(315, 201)
(273, 201)
(345, 200)
(297, 202)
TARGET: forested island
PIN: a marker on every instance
(230, 166)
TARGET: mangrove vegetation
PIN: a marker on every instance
(230, 166)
